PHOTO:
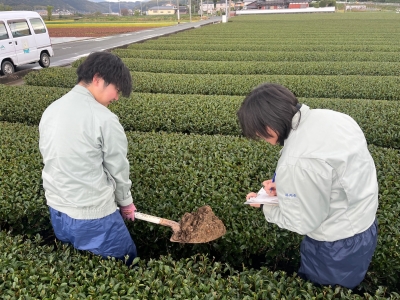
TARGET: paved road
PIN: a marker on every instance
(68, 50)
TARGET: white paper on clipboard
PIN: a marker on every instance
(263, 198)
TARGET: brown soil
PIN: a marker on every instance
(200, 226)
(92, 31)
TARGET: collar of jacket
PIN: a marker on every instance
(304, 111)
(82, 90)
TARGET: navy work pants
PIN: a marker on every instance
(344, 262)
(107, 236)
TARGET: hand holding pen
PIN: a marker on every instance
(270, 186)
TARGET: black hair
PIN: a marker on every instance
(109, 67)
(268, 105)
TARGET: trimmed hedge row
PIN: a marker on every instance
(174, 173)
(277, 43)
(199, 114)
(33, 271)
(233, 45)
(259, 68)
(260, 55)
(275, 39)
(312, 86)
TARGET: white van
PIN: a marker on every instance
(24, 39)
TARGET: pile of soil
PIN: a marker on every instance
(200, 226)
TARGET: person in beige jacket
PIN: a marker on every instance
(325, 182)
(86, 170)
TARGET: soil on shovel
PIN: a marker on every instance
(200, 226)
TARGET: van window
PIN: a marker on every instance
(3, 32)
(19, 28)
(38, 26)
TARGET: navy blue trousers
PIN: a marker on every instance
(106, 236)
(344, 262)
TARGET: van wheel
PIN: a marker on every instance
(44, 61)
(7, 67)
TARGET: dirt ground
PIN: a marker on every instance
(92, 31)
(200, 226)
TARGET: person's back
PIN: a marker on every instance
(86, 171)
(332, 142)
(72, 147)
(325, 182)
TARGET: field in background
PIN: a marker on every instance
(99, 29)
(98, 26)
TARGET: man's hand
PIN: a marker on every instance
(128, 212)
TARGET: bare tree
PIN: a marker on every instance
(124, 12)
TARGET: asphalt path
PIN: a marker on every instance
(68, 50)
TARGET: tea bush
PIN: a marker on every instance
(252, 45)
(259, 68)
(199, 113)
(173, 173)
(306, 56)
(30, 270)
(311, 86)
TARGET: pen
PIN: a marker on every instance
(273, 180)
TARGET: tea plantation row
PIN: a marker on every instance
(174, 173)
(30, 270)
(311, 86)
(277, 44)
(304, 56)
(199, 114)
(267, 46)
(260, 68)
(337, 41)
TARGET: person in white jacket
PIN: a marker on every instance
(325, 181)
(86, 170)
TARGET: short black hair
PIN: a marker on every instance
(109, 67)
(268, 105)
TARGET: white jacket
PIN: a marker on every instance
(325, 178)
(84, 148)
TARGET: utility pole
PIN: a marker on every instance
(177, 10)
(190, 11)
(201, 10)
(119, 4)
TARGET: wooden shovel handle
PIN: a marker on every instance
(174, 225)
(153, 219)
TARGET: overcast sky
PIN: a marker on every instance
(121, 0)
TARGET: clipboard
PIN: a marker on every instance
(263, 198)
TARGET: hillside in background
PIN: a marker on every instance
(84, 6)
(71, 5)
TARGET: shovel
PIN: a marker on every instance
(161, 221)
(190, 229)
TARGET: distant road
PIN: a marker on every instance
(68, 52)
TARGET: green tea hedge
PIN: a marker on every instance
(305, 56)
(199, 114)
(30, 270)
(275, 44)
(266, 45)
(259, 68)
(311, 86)
(174, 173)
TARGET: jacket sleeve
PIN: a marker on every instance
(304, 191)
(115, 162)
